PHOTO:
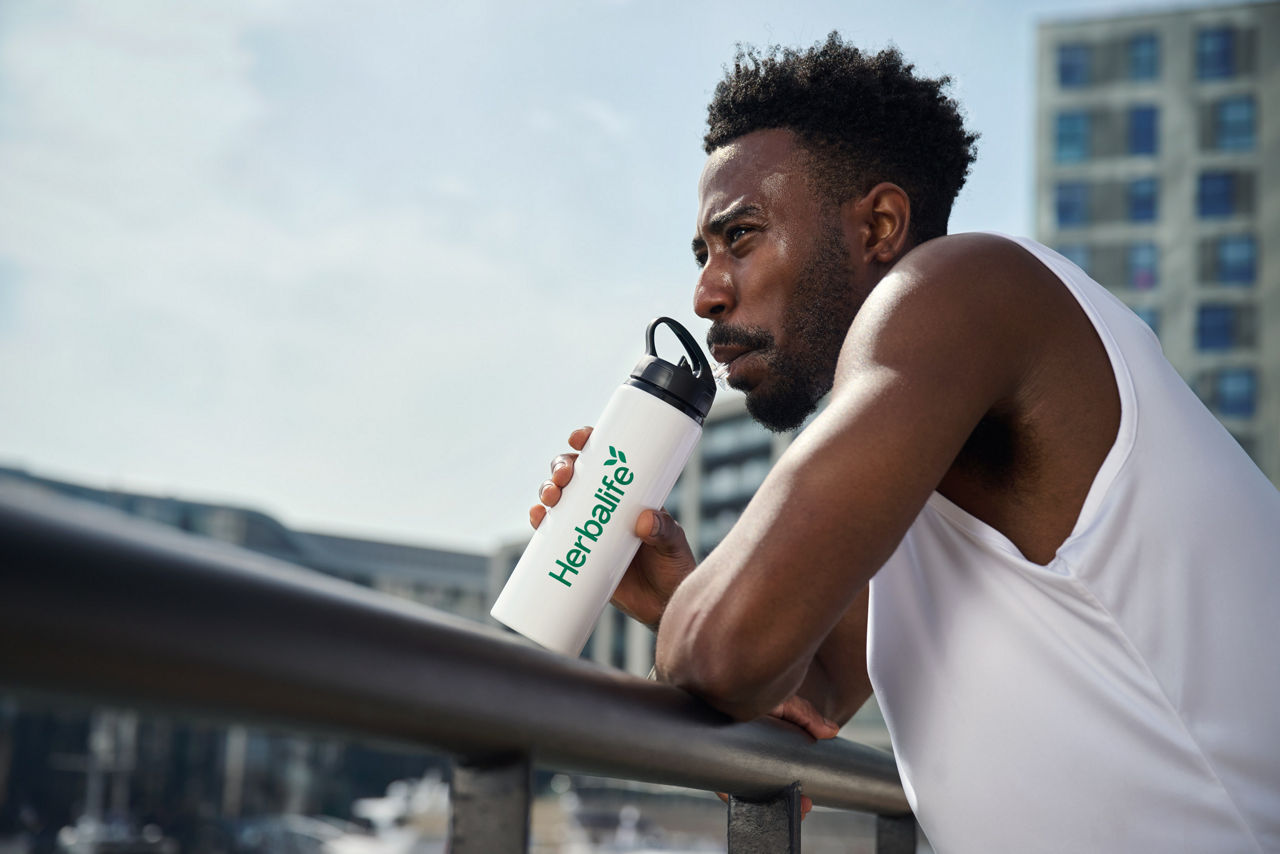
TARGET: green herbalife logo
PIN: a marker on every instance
(608, 496)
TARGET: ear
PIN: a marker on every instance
(881, 219)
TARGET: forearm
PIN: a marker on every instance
(746, 637)
(717, 673)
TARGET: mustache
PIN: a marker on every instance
(749, 337)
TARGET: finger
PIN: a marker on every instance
(536, 514)
(658, 528)
(801, 712)
(562, 469)
(722, 796)
(579, 437)
(549, 493)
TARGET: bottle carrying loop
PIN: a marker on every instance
(689, 389)
(701, 367)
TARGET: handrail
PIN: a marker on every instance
(102, 606)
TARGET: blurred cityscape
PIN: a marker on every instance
(1157, 158)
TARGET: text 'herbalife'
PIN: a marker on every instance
(609, 495)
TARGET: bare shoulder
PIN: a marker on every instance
(978, 297)
(981, 327)
(991, 271)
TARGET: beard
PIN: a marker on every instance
(815, 323)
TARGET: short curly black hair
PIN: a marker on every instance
(865, 119)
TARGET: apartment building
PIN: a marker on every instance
(1158, 172)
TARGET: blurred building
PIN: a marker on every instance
(451, 581)
(1158, 172)
(198, 781)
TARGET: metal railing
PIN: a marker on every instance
(102, 607)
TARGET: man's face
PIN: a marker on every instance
(776, 279)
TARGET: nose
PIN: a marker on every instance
(714, 296)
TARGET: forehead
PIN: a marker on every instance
(765, 168)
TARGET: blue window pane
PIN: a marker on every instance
(1144, 57)
(1234, 123)
(1150, 316)
(1073, 65)
(1143, 259)
(1237, 259)
(1072, 203)
(1215, 53)
(1215, 195)
(1143, 130)
(1236, 391)
(1143, 200)
(1215, 327)
(1072, 137)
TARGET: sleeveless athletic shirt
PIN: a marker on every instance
(1123, 698)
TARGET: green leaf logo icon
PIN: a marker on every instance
(615, 457)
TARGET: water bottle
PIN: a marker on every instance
(631, 461)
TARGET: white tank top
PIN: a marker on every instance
(1124, 698)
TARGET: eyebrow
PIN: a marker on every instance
(718, 223)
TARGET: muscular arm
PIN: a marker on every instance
(942, 339)
(836, 682)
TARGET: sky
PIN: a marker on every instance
(364, 266)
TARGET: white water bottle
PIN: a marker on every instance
(633, 457)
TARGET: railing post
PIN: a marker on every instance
(490, 806)
(766, 827)
(895, 834)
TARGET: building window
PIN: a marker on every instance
(1215, 53)
(1214, 327)
(1224, 327)
(1076, 253)
(1144, 57)
(1143, 130)
(1149, 316)
(1237, 257)
(1235, 392)
(1234, 121)
(1142, 263)
(1072, 203)
(1073, 65)
(1216, 195)
(1072, 137)
(1143, 200)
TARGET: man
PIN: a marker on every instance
(1058, 571)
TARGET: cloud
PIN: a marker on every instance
(192, 299)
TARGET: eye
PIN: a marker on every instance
(700, 258)
(736, 232)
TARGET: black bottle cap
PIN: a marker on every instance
(690, 389)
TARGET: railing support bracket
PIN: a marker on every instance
(895, 834)
(766, 827)
(490, 803)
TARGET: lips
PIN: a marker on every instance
(735, 361)
(725, 354)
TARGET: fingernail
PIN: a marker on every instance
(656, 527)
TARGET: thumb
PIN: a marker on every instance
(656, 528)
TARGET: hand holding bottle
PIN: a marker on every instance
(627, 465)
(662, 561)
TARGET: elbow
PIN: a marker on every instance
(729, 674)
